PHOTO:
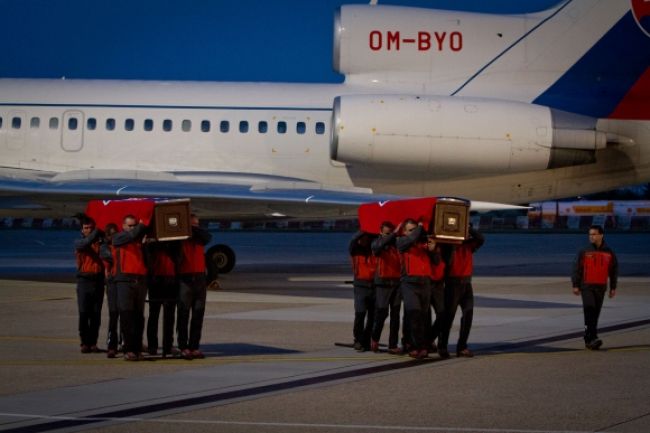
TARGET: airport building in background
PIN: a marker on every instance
(577, 215)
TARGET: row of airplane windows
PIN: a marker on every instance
(167, 125)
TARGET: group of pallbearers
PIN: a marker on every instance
(133, 266)
(405, 264)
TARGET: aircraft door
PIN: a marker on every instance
(72, 131)
(16, 129)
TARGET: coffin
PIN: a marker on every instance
(167, 219)
(445, 218)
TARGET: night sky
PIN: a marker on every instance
(218, 40)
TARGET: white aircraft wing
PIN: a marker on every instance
(214, 195)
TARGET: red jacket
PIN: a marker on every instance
(161, 262)
(416, 261)
(389, 265)
(193, 258)
(364, 267)
(128, 259)
(88, 261)
(461, 263)
(87, 254)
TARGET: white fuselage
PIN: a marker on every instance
(268, 129)
(244, 132)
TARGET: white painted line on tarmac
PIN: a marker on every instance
(288, 425)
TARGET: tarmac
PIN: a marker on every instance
(277, 361)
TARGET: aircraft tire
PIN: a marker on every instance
(219, 259)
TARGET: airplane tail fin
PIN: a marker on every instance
(612, 78)
(590, 57)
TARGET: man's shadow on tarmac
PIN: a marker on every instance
(231, 349)
(243, 349)
(501, 348)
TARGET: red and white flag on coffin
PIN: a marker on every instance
(114, 211)
(371, 215)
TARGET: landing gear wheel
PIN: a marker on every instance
(220, 259)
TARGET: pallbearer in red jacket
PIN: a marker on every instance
(458, 287)
(364, 266)
(592, 267)
(415, 248)
(90, 284)
(106, 253)
(129, 274)
(162, 262)
(387, 278)
(193, 291)
(438, 268)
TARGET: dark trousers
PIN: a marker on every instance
(364, 312)
(163, 294)
(459, 293)
(440, 323)
(191, 302)
(388, 296)
(592, 303)
(131, 296)
(113, 337)
(417, 301)
(90, 297)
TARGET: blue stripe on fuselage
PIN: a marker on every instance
(600, 79)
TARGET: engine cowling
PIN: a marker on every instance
(454, 136)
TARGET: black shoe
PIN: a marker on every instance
(443, 353)
(466, 353)
(359, 347)
(395, 351)
(594, 344)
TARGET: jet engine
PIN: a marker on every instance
(454, 136)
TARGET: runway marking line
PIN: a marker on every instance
(23, 300)
(37, 338)
(209, 360)
(285, 425)
(576, 351)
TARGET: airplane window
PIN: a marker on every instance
(262, 127)
(91, 123)
(148, 125)
(54, 123)
(301, 127)
(110, 124)
(243, 127)
(128, 124)
(186, 126)
(320, 128)
(16, 122)
(73, 123)
(35, 122)
(224, 126)
(282, 127)
(205, 126)
(167, 125)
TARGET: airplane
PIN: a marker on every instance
(503, 109)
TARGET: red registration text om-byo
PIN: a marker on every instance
(425, 41)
